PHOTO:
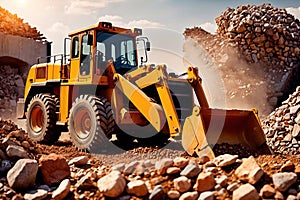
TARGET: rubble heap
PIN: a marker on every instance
(262, 33)
(13, 25)
(34, 171)
(11, 88)
(256, 50)
(282, 126)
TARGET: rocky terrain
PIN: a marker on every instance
(282, 126)
(264, 41)
(12, 78)
(256, 51)
(13, 25)
(36, 171)
(11, 88)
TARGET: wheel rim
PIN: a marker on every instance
(82, 124)
(37, 119)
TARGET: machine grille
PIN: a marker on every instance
(182, 95)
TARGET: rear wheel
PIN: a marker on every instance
(91, 122)
(41, 119)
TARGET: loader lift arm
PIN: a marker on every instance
(150, 110)
(146, 76)
(196, 83)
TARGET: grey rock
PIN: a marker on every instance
(137, 188)
(279, 196)
(206, 196)
(245, 192)
(222, 180)
(232, 187)
(36, 195)
(6, 165)
(62, 191)
(182, 184)
(292, 191)
(283, 181)
(173, 170)
(294, 109)
(249, 171)
(130, 168)
(16, 151)
(296, 130)
(162, 165)
(291, 197)
(173, 194)
(119, 167)
(157, 193)
(85, 182)
(112, 185)
(190, 171)
(23, 174)
(180, 162)
(189, 196)
(225, 160)
(79, 161)
(45, 187)
(267, 191)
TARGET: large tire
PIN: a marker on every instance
(41, 119)
(91, 123)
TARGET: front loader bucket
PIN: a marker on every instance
(206, 127)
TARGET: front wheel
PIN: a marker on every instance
(91, 122)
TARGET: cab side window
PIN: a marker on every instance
(75, 47)
(85, 57)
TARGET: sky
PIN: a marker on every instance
(163, 21)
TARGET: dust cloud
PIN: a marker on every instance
(229, 81)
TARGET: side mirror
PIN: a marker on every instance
(148, 46)
(90, 40)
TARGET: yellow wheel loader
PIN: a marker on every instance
(101, 89)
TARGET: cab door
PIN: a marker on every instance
(86, 58)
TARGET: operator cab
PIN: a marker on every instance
(117, 47)
(94, 46)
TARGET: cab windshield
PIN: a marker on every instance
(120, 48)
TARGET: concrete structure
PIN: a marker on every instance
(21, 52)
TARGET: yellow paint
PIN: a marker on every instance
(65, 94)
(151, 111)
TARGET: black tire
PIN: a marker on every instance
(91, 123)
(41, 119)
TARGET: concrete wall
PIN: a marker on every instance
(21, 48)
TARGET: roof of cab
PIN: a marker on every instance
(104, 26)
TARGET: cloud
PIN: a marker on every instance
(56, 34)
(86, 7)
(144, 23)
(59, 27)
(210, 27)
(118, 21)
(294, 11)
(114, 19)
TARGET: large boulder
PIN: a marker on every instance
(112, 185)
(54, 168)
(23, 174)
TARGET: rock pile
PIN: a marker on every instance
(243, 89)
(262, 33)
(256, 50)
(11, 88)
(28, 172)
(282, 126)
(13, 25)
